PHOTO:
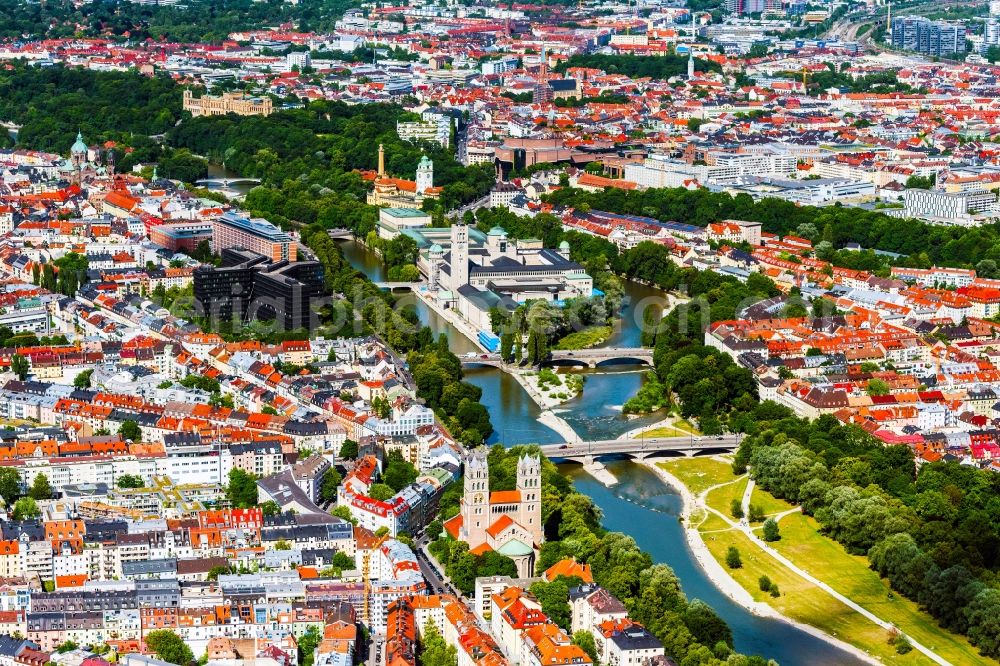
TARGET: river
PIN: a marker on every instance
(234, 191)
(641, 505)
(513, 412)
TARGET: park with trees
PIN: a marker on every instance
(309, 161)
(193, 21)
(930, 532)
(782, 528)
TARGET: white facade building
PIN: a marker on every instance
(954, 207)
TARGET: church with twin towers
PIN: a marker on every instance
(506, 521)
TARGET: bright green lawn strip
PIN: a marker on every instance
(768, 502)
(849, 574)
(721, 498)
(804, 602)
(699, 473)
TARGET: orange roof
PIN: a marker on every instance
(480, 549)
(505, 497)
(591, 180)
(341, 630)
(569, 568)
(499, 526)
(74, 580)
(454, 526)
(400, 183)
(120, 200)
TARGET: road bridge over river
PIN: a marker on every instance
(639, 448)
(226, 182)
(592, 358)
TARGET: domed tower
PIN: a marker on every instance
(564, 250)
(496, 241)
(435, 257)
(425, 175)
(78, 152)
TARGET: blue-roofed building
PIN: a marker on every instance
(489, 340)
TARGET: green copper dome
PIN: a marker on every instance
(515, 548)
(79, 146)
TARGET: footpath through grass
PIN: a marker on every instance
(699, 474)
(823, 558)
(804, 602)
(768, 503)
(721, 498)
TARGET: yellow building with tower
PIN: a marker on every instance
(400, 192)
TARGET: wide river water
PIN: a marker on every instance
(640, 505)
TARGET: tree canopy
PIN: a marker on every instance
(307, 160)
(25, 509)
(922, 244)
(656, 67)
(40, 489)
(434, 650)
(193, 21)
(169, 647)
(10, 484)
(398, 472)
(52, 104)
(242, 489)
(931, 532)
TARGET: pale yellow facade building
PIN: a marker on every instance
(229, 102)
